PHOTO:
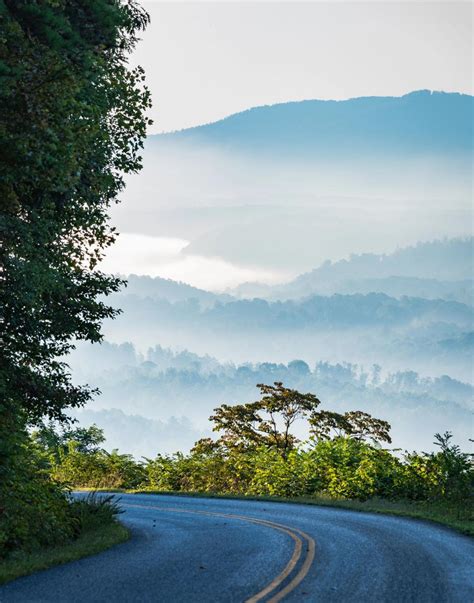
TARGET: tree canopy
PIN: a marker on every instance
(267, 421)
(355, 423)
(72, 123)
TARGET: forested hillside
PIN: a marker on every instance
(165, 396)
(439, 269)
(374, 328)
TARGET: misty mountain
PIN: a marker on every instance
(173, 291)
(319, 312)
(417, 123)
(375, 328)
(433, 270)
(463, 342)
(393, 286)
(411, 309)
(287, 186)
(160, 385)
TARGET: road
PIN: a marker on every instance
(216, 550)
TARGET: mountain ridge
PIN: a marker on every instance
(425, 120)
(431, 263)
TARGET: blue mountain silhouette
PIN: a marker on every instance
(420, 122)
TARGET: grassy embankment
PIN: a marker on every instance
(97, 529)
(452, 515)
(90, 543)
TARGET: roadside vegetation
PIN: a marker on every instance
(91, 526)
(72, 125)
(344, 462)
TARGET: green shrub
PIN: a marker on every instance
(342, 467)
(93, 511)
(348, 468)
(213, 471)
(447, 474)
(96, 469)
(277, 476)
(165, 472)
(34, 510)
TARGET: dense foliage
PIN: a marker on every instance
(71, 125)
(246, 426)
(341, 463)
(39, 510)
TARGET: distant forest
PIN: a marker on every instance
(412, 309)
(406, 358)
(176, 391)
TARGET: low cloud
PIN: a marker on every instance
(162, 256)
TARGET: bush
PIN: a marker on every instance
(166, 472)
(34, 510)
(93, 511)
(348, 468)
(342, 467)
(95, 469)
(210, 471)
(277, 476)
(447, 474)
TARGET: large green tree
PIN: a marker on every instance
(265, 422)
(72, 123)
(268, 422)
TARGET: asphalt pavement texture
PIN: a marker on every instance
(185, 549)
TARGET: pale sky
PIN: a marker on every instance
(206, 60)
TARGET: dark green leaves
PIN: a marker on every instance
(267, 421)
(72, 123)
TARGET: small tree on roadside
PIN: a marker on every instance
(456, 467)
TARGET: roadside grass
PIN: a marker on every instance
(88, 543)
(97, 529)
(457, 516)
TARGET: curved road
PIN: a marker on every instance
(216, 550)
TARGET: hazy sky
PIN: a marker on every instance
(206, 60)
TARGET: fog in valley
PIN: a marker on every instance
(328, 246)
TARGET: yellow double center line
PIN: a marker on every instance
(304, 545)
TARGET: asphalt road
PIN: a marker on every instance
(215, 550)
